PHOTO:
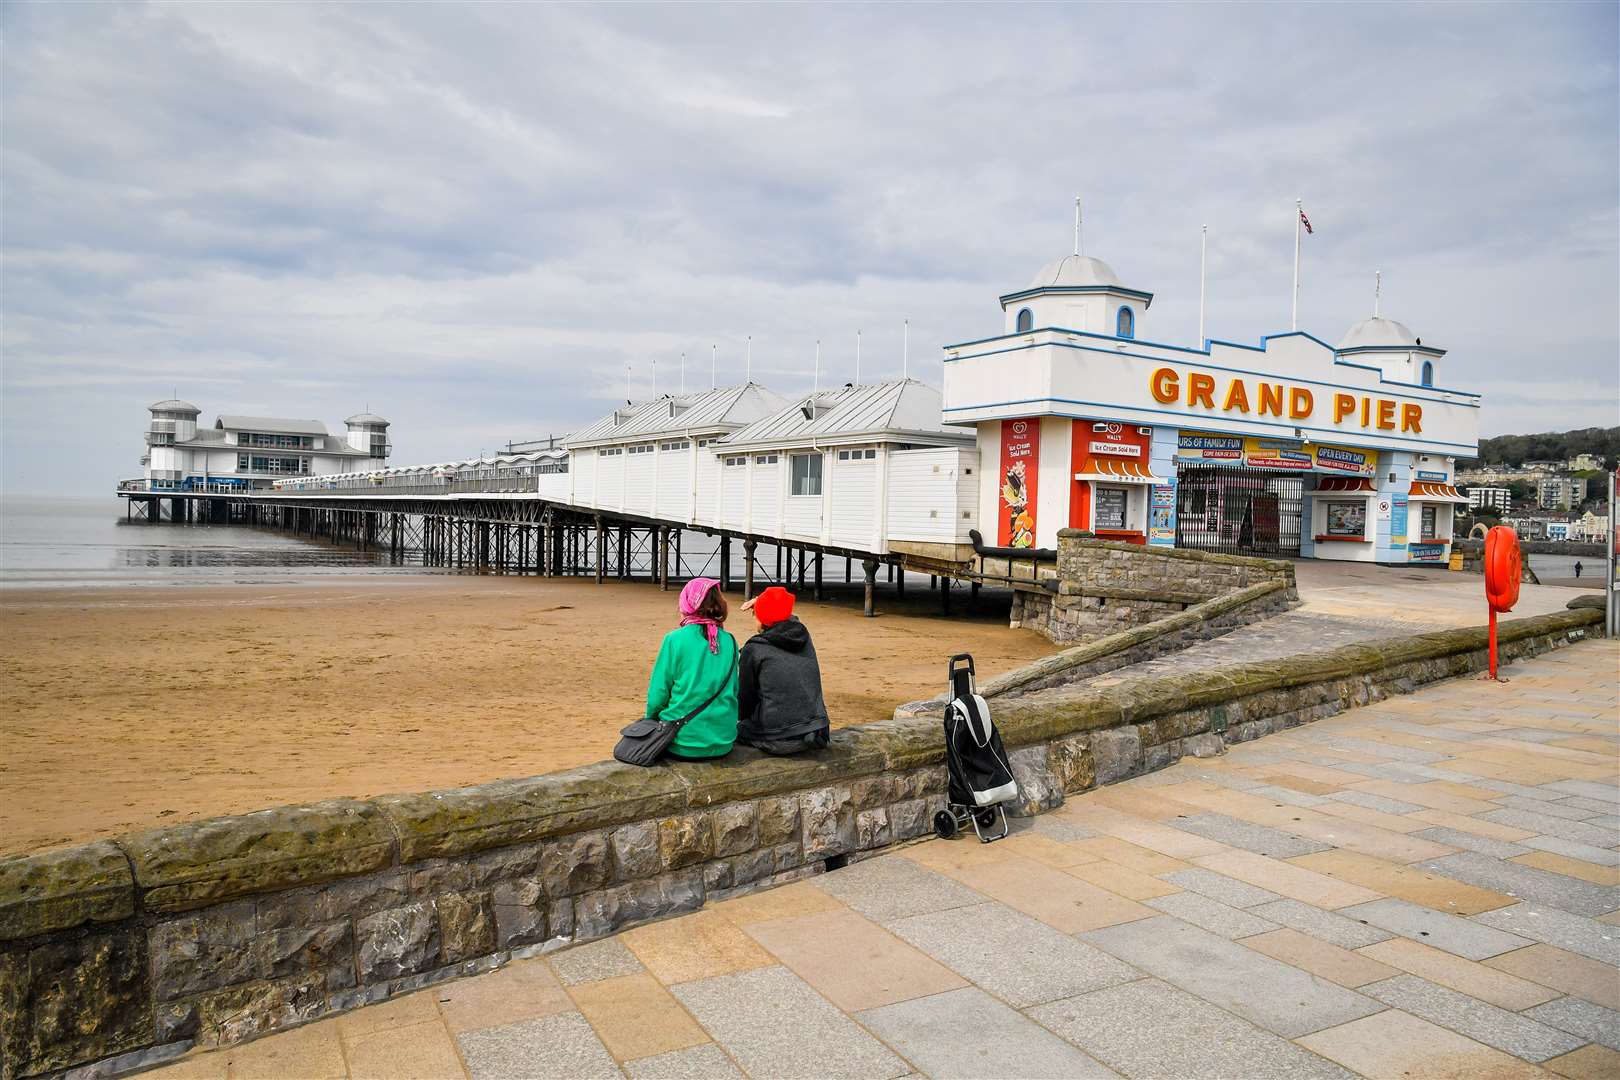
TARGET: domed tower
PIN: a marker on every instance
(173, 421)
(1076, 292)
(1393, 349)
(368, 433)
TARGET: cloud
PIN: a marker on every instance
(473, 219)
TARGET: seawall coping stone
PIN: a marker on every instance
(61, 889)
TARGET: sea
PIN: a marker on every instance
(61, 541)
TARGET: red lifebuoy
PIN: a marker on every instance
(1504, 565)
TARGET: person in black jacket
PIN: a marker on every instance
(779, 703)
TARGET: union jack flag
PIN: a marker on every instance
(1305, 221)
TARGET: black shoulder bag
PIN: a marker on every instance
(644, 742)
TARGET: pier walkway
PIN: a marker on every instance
(1425, 887)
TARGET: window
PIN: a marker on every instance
(1428, 530)
(806, 474)
(733, 462)
(1026, 320)
(857, 455)
(1428, 373)
(1110, 508)
(1347, 518)
(765, 459)
(1126, 323)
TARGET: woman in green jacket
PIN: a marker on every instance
(696, 659)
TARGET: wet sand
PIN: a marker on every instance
(126, 708)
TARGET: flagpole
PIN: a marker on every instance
(1378, 287)
(905, 351)
(817, 383)
(749, 370)
(857, 358)
(714, 361)
(1299, 210)
(1203, 259)
(683, 374)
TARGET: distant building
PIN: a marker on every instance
(1561, 492)
(1559, 530)
(1585, 463)
(253, 451)
(1590, 528)
(1499, 499)
(1543, 466)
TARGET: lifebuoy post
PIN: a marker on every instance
(1504, 565)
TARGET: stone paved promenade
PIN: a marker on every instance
(1425, 887)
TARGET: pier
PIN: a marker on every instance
(478, 528)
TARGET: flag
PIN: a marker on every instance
(1305, 221)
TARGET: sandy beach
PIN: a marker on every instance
(126, 708)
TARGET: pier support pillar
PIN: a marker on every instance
(818, 575)
(900, 580)
(725, 562)
(601, 551)
(945, 595)
(869, 605)
(748, 568)
(663, 559)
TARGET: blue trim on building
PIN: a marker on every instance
(1024, 322)
(1125, 322)
(1216, 367)
(1070, 290)
(1196, 422)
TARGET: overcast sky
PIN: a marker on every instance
(470, 218)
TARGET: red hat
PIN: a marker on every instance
(772, 606)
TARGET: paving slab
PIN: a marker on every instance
(967, 1035)
(1582, 1019)
(1468, 841)
(1546, 825)
(1596, 873)
(1561, 970)
(1473, 939)
(523, 990)
(1150, 1029)
(558, 1047)
(1597, 806)
(1492, 985)
(1277, 996)
(851, 961)
(1414, 883)
(1397, 1044)
(1259, 839)
(1228, 890)
(1335, 929)
(1131, 884)
(1507, 1031)
(1381, 803)
(1555, 809)
(1212, 915)
(1019, 959)
(773, 1024)
(1060, 900)
(1287, 879)
(604, 959)
(635, 1017)
(1589, 788)
(1539, 922)
(1591, 1062)
(884, 889)
(1527, 883)
(696, 946)
(1349, 969)
(418, 1050)
(706, 1062)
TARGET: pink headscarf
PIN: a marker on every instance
(691, 597)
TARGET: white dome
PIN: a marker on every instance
(1075, 270)
(174, 405)
(365, 418)
(1379, 333)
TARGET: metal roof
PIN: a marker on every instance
(726, 408)
(893, 411)
(174, 405)
(271, 424)
(366, 418)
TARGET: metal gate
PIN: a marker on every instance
(1238, 510)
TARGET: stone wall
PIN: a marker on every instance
(122, 953)
(1105, 586)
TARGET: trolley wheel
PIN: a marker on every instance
(986, 817)
(945, 824)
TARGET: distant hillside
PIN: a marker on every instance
(1548, 446)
